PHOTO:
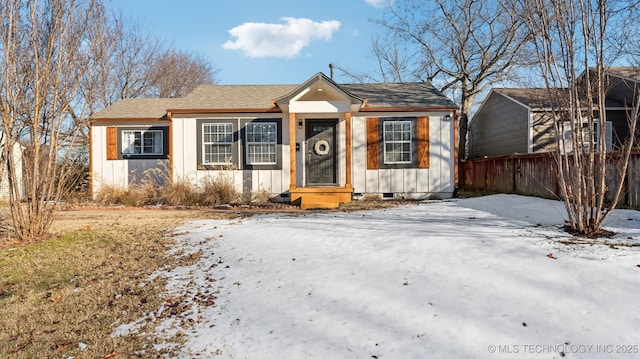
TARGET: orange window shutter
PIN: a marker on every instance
(373, 144)
(423, 142)
(112, 143)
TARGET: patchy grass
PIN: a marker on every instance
(63, 297)
(373, 203)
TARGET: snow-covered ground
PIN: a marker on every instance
(468, 278)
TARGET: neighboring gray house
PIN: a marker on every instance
(517, 120)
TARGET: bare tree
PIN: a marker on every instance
(60, 62)
(119, 54)
(574, 52)
(461, 46)
(40, 69)
(127, 62)
(177, 73)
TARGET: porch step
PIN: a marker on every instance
(319, 201)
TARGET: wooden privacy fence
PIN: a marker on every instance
(535, 175)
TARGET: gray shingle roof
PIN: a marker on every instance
(234, 96)
(261, 97)
(540, 98)
(401, 95)
(530, 97)
(632, 73)
(137, 108)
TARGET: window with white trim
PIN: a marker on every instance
(142, 142)
(589, 137)
(261, 143)
(217, 143)
(397, 142)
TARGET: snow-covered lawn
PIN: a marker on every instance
(468, 278)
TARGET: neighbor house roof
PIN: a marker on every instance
(629, 72)
(540, 98)
(530, 97)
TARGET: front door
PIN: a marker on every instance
(321, 152)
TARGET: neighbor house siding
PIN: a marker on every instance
(620, 127)
(543, 133)
(4, 182)
(622, 90)
(499, 128)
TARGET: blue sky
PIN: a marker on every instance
(265, 42)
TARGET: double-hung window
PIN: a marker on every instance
(239, 143)
(397, 142)
(217, 143)
(261, 143)
(142, 142)
(588, 137)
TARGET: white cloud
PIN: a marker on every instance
(279, 40)
(378, 3)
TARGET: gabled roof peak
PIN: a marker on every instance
(313, 82)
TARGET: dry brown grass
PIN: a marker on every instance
(64, 297)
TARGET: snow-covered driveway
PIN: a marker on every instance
(471, 278)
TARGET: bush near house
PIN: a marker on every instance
(212, 191)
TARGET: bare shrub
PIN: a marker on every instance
(147, 193)
(138, 195)
(218, 190)
(180, 193)
(6, 228)
(111, 195)
(261, 196)
(155, 187)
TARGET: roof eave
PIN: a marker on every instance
(409, 109)
(126, 119)
(274, 109)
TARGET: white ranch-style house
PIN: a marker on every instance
(317, 144)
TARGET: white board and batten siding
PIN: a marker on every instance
(187, 168)
(106, 172)
(119, 173)
(415, 183)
